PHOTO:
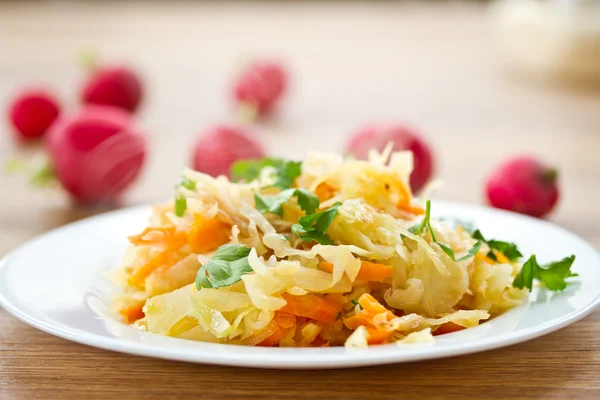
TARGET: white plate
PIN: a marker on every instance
(56, 283)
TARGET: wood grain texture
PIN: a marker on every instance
(433, 65)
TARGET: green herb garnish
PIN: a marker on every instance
(509, 249)
(313, 226)
(426, 224)
(285, 174)
(180, 204)
(552, 275)
(180, 200)
(308, 202)
(225, 268)
(450, 253)
(188, 183)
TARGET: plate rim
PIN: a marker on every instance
(271, 358)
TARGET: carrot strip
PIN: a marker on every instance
(377, 336)
(374, 272)
(208, 234)
(405, 198)
(404, 193)
(133, 312)
(415, 210)
(359, 319)
(169, 237)
(500, 257)
(284, 319)
(326, 266)
(275, 337)
(164, 257)
(312, 306)
(371, 272)
(280, 325)
(324, 192)
(371, 305)
(376, 333)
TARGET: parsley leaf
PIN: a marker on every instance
(313, 226)
(286, 171)
(471, 253)
(180, 200)
(180, 204)
(188, 183)
(226, 267)
(309, 203)
(286, 175)
(420, 228)
(553, 275)
(426, 224)
(510, 250)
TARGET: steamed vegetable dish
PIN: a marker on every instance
(328, 252)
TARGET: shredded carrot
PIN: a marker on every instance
(377, 336)
(374, 272)
(280, 325)
(485, 258)
(166, 258)
(415, 210)
(404, 193)
(132, 312)
(208, 234)
(165, 236)
(275, 337)
(324, 192)
(448, 327)
(370, 272)
(500, 257)
(376, 333)
(371, 305)
(488, 260)
(284, 319)
(405, 199)
(312, 306)
(359, 319)
(326, 266)
(337, 298)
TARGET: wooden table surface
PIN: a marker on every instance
(433, 65)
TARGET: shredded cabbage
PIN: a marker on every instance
(373, 280)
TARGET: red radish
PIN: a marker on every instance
(378, 136)
(117, 86)
(220, 146)
(260, 86)
(97, 153)
(525, 185)
(32, 112)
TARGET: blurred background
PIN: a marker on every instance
(480, 81)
